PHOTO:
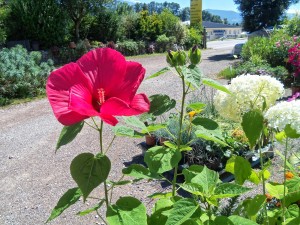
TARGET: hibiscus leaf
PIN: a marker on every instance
(135, 122)
(192, 75)
(68, 134)
(87, 211)
(89, 171)
(161, 104)
(121, 130)
(162, 71)
(68, 199)
(214, 84)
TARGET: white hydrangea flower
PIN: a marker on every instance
(248, 92)
(284, 113)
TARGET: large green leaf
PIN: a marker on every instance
(160, 159)
(240, 167)
(228, 190)
(195, 189)
(68, 134)
(293, 184)
(124, 131)
(207, 179)
(237, 220)
(89, 171)
(127, 211)
(162, 71)
(139, 172)
(153, 127)
(68, 199)
(135, 122)
(210, 135)
(252, 124)
(207, 123)
(275, 190)
(290, 132)
(292, 197)
(159, 208)
(161, 104)
(182, 211)
(192, 74)
(222, 220)
(190, 222)
(255, 205)
(197, 106)
(216, 85)
(191, 172)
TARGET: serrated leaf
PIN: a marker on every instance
(135, 122)
(89, 171)
(192, 188)
(237, 220)
(290, 132)
(210, 135)
(192, 74)
(216, 85)
(240, 167)
(153, 127)
(206, 123)
(162, 71)
(252, 124)
(191, 172)
(197, 106)
(124, 131)
(255, 205)
(88, 211)
(228, 190)
(160, 159)
(207, 179)
(275, 190)
(222, 220)
(161, 195)
(127, 211)
(68, 199)
(68, 134)
(159, 210)
(182, 211)
(139, 171)
(161, 104)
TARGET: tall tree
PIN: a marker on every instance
(79, 9)
(261, 13)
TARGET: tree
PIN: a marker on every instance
(79, 9)
(185, 14)
(207, 16)
(262, 13)
(4, 11)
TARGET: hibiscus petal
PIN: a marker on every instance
(133, 77)
(109, 119)
(58, 88)
(118, 107)
(104, 67)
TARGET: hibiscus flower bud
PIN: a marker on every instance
(195, 55)
(181, 58)
(171, 58)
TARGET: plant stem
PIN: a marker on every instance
(101, 150)
(179, 132)
(284, 179)
(101, 217)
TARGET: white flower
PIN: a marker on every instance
(284, 113)
(248, 92)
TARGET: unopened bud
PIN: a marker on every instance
(170, 58)
(195, 55)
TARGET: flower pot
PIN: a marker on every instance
(162, 140)
(295, 88)
(150, 140)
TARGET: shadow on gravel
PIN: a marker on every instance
(220, 57)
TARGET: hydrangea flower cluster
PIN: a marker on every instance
(284, 113)
(248, 92)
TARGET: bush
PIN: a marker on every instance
(162, 42)
(227, 73)
(128, 47)
(193, 37)
(22, 74)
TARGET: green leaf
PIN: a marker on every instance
(222, 220)
(255, 205)
(89, 171)
(290, 132)
(119, 183)
(127, 211)
(190, 222)
(280, 136)
(240, 167)
(253, 126)
(161, 104)
(228, 190)
(192, 75)
(275, 190)
(153, 127)
(195, 189)
(237, 220)
(68, 199)
(135, 122)
(292, 197)
(182, 211)
(162, 71)
(68, 134)
(159, 210)
(85, 212)
(206, 123)
(216, 85)
(138, 171)
(293, 184)
(196, 106)
(207, 179)
(211, 135)
(292, 211)
(124, 131)
(160, 159)
(161, 195)
(295, 221)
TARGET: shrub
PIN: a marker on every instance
(162, 42)
(259, 46)
(293, 26)
(22, 74)
(193, 37)
(128, 47)
(227, 73)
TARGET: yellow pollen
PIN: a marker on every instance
(101, 95)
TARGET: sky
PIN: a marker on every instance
(214, 4)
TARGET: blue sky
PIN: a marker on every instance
(214, 4)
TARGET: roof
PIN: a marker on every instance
(208, 24)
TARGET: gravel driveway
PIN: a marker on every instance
(33, 177)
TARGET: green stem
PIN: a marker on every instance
(101, 217)
(101, 150)
(284, 179)
(179, 132)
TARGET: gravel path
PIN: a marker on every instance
(33, 177)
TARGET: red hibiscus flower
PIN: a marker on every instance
(101, 83)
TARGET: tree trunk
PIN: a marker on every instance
(77, 25)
